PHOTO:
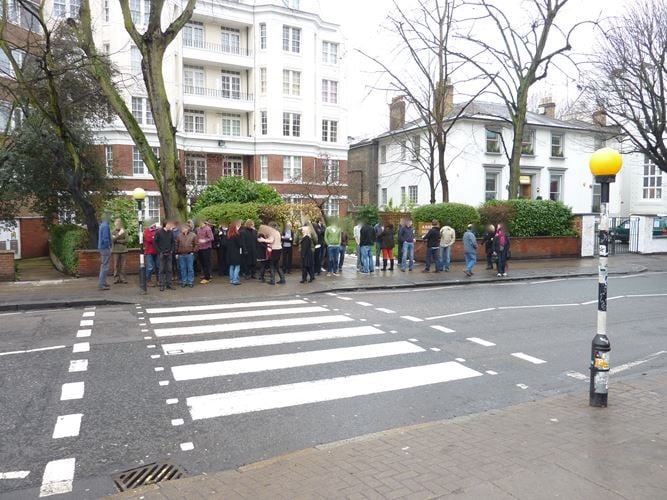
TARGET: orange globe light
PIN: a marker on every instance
(605, 162)
(138, 194)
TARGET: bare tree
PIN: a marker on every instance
(513, 57)
(629, 81)
(152, 45)
(320, 184)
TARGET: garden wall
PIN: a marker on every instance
(7, 265)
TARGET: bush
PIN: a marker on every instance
(237, 190)
(294, 213)
(65, 240)
(227, 212)
(368, 213)
(527, 218)
(125, 209)
(457, 215)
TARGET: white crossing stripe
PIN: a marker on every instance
(177, 421)
(78, 365)
(491, 372)
(17, 474)
(81, 347)
(413, 319)
(58, 477)
(249, 325)
(282, 396)
(86, 322)
(187, 446)
(479, 341)
(89, 314)
(364, 304)
(172, 401)
(262, 340)
(526, 357)
(577, 375)
(73, 390)
(239, 314)
(292, 360)
(214, 307)
(443, 329)
(33, 350)
(343, 298)
(385, 310)
(84, 333)
(67, 426)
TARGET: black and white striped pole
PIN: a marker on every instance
(139, 195)
(605, 163)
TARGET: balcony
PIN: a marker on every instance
(231, 56)
(217, 99)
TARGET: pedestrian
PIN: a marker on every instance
(186, 247)
(150, 254)
(164, 245)
(287, 239)
(357, 235)
(332, 239)
(447, 238)
(223, 265)
(378, 242)
(502, 249)
(470, 250)
(271, 236)
(104, 245)
(487, 240)
(249, 245)
(366, 242)
(263, 256)
(344, 239)
(388, 246)
(119, 251)
(307, 249)
(407, 234)
(401, 225)
(320, 246)
(204, 246)
(234, 252)
(175, 231)
(432, 246)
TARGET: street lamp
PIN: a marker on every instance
(605, 163)
(139, 195)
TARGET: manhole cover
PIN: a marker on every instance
(147, 474)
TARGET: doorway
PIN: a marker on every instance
(526, 187)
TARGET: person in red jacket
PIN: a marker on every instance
(151, 253)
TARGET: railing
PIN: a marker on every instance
(217, 93)
(217, 47)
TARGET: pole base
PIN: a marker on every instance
(598, 400)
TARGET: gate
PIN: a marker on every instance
(623, 235)
(10, 238)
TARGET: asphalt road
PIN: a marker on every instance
(150, 385)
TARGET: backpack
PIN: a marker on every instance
(378, 230)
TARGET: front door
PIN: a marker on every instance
(526, 187)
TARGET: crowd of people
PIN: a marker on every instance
(176, 252)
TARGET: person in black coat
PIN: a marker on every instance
(307, 256)
(487, 240)
(433, 246)
(501, 247)
(249, 240)
(223, 265)
(387, 244)
(234, 253)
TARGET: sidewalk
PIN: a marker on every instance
(557, 447)
(67, 291)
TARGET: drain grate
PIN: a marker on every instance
(147, 474)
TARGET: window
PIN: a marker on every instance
(153, 208)
(108, 159)
(332, 207)
(6, 68)
(135, 60)
(597, 197)
(66, 8)
(413, 195)
(330, 91)
(138, 166)
(383, 154)
(329, 130)
(291, 83)
(492, 141)
(106, 48)
(59, 8)
(291, 39)
(599, 142)
(660, 227)
(262, 36)
(264, 168)
(293, 4)
(652, 186)
(383, 197)
(404, 148)
(231, 40)
(329, 53)
(291, 124)
(106, 11)
(141, 110)
(555, 187)
(195, 170)
(291, 168)
(331, 170)
(231, 124)
(193, 35)
(528, 143)
(262, 81)
(415, 145)
(232, 166)
(230, 84)
(193, 80)
(140, 12)
(491, 186)
(264, 123)
(404, 198)
(557, 145)
(193, 120)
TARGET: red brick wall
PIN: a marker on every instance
(6, 266)
(34, 238)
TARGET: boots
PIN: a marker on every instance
(392, 265)
(384, 264)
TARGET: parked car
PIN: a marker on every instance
(621, 233)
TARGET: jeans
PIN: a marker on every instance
(445, 257)
(433, 253)
(360, 266)
(151, 265)
(342, 257)
(408, 254)
(502, 261)
(186, 268)
(235, 274)
(204, 257)
(471, 260)
(334, 257)
(105, 256)
(165, 270)
(400, 252)
(367, 258)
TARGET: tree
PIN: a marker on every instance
(320, 184)
(629, 81)
(513, 56)
(237, 190)
(152, 45)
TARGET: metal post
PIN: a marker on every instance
(142, 262)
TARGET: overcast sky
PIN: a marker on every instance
(361, 22)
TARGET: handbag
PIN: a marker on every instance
(494, 258)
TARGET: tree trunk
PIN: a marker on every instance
(518, 126)
(444, 183)
(84, 204)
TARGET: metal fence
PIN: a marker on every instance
(623, 235)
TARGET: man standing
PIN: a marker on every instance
(151, 254)
(470, 250)
(104, 246)
(288, 241)
(332, 238)
(204, 244)
(223, 264)
(432, 246)
(357, 235)
(407, 235)
(344, 238)
(447, 238)
(119, 251)
(164, 245)
(186, 246)
(366, 240)
(401, 225)
(378, 242)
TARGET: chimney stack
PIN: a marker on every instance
(548, 107)
(600, 117)
(397, 113)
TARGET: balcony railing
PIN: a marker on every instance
(217, 93)
(217, 47)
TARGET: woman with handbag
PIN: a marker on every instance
(487, 241)
(501, 246)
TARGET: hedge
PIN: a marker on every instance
(528, 218)
(289, 212)
(369, 214)
(227, 212)
(125, 209)
(65, 240)
(237, 190)
(457, 215)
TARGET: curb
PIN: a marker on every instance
(30, 306)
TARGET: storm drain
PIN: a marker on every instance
(156, 472)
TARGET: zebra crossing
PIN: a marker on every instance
(228, 335)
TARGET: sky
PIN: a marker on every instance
(362, 26)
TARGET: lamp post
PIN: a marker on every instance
(605, 163)
(139, 195)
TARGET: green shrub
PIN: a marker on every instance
(237, 190)
(125, 209)
(65, 240)
(368, 213)
(227, 212)
(527, 218)
(294, 213)
(457, 215)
